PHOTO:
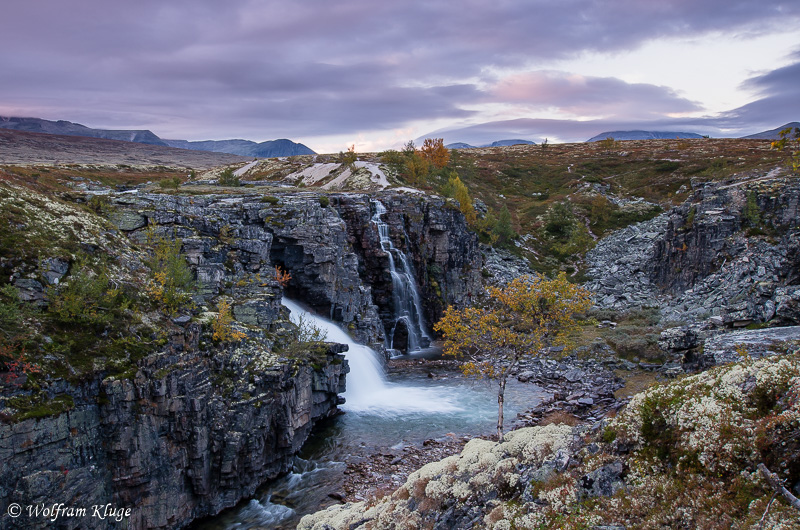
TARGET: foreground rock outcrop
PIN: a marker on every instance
(166, 409)
(681, 455)
(173, 418)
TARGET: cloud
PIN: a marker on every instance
(585, 96)
(778, 101)
(268, 68)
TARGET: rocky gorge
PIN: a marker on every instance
(196, 424)
(190, 422)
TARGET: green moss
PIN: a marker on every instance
(609, 435)
(40, 406)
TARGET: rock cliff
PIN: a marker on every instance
(444, 252)
(729, 255)
(192, 426)
(191, 434)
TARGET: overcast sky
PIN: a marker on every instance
(377, 73)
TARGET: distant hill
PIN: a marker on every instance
(22, 147)
(268, 149)
(247, 148)
(642, 135)
(505, 143)
(498, 143)
(773, 134)
(67, 128)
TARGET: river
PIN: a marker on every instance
(383, 412)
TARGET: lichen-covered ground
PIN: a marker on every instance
(681, 455)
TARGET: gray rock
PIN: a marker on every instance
(53, 269)
(728, 347)
(604, 481)
(29, 290)
(679, 339)
(127, 220)
(526, 376)
(573, 375)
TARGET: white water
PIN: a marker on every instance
(382, 417)
(368, 392)
(405, 297)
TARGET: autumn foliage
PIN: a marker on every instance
(222, 326)
(434, 151)
(790, 138)
(282, 276)
(517, 321)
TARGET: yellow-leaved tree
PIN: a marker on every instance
(790, 138)
(517, 321)
(435, 152)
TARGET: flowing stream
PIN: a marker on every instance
(382, 413)
(405, 296)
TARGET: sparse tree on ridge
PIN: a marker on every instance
(435, 152)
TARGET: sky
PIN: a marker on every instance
(376, 74)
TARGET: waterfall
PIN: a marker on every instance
(367, 389)
(407, 309)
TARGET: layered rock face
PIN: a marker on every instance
(326, 242)
(444, 253)
(730, 255)
(196, 427)
(234, 243)
(189, 435)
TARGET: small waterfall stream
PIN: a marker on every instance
(405, 296)
(367, 388)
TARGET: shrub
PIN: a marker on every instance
(169, 184)
(559, 221)
(394, 160)
(171, 278)
(416, 169)
(435, 152)
(324, 201)
(10, 311)
(305, 340)
(349, 158)
(222, 326)
(227, 178)
(503, 230)
(461, 194)
(85, 298)
(98, 203)
(751, 215)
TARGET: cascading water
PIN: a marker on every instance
(405, 296)
(367, 388)
(383, 416)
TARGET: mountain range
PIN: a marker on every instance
(268, 149)
(67, 128)
(498, 143)
(642, 135)
(773, 134)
